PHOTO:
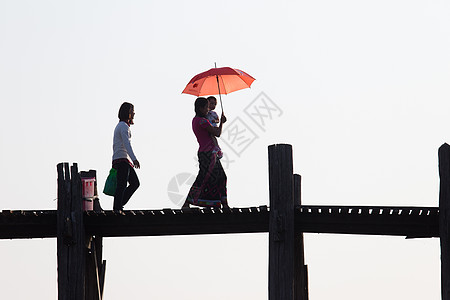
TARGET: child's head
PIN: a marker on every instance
(212, 102)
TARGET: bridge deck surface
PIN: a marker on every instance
(373, 220)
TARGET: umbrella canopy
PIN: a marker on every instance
(218, 81)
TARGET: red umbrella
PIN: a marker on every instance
(218, 81)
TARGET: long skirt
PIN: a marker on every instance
(210, 186)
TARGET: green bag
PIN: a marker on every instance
(111, 183)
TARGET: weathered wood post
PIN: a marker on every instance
(444, 218)
(300, 270)
(70, 234)
(281, 223)
(95, 269)
(95, 265)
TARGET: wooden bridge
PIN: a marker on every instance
(81, 270)
(411, 222)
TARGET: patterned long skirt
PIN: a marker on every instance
(210, 186)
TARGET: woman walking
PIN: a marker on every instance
(210, 186)
(123, 159)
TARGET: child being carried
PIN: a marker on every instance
(213, 118)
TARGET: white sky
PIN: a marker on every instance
(364, 95)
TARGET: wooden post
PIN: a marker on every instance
(64, 232)
(281, 223)
(70, 234)
(305, 277)
(444, 218)
(100, 263)
(300, 271)
(94, 269)
(95, 266)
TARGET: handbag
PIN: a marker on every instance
(111, 183)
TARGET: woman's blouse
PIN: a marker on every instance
(121, 143)
(205, 141)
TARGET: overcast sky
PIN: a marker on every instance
(359, 88)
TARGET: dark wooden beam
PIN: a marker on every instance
(95, 265)
(70, 235)
(94, 279)
(444, 218)
(177, 222)
(25, 224)
(300, 280)
(281, 223)
(64, 233)
(411, 222)
(78, 250)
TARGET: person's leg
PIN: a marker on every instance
(134, 184)
(122, 179)
(196, 188)
(222, 185)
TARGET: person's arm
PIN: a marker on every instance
(217, 131)
(124, 133)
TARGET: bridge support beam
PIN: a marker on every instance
(287, 280)
(70, 234)
(300, 269)
(80, 266)
(444, 218)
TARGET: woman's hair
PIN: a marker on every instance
(124, 111)
(199, 103)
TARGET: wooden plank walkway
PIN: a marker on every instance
(411, 222)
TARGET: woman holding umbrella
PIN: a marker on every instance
(210, 186)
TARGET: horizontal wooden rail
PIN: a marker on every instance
(27, 224)
(397, 221)
(412, 222)
(178, 222)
